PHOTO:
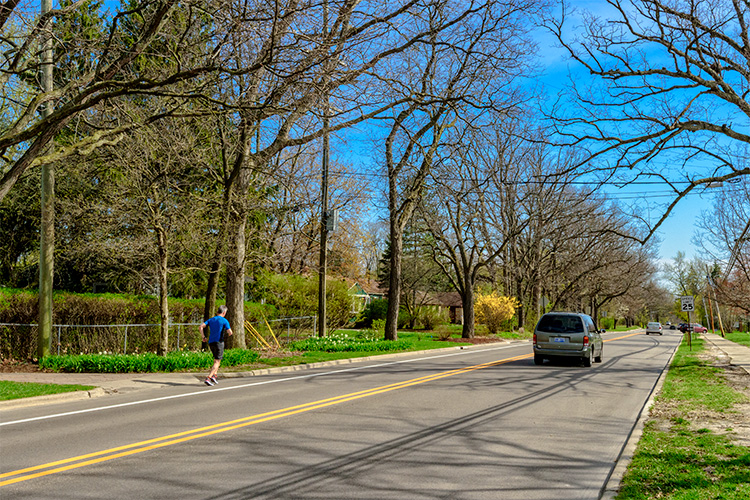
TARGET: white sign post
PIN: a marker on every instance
(688, 306)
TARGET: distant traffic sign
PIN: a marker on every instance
(688, 305)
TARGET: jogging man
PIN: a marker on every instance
(216, 326)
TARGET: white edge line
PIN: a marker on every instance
(243, 386)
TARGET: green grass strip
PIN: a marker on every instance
(679, 461)
(740, 337)
(16, 390)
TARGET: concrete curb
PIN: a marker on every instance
(52, 398)
(612, 487)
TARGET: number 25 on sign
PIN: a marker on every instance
(688, 305)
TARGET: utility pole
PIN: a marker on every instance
(47, 236)
(324, 195)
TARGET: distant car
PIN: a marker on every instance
(698, 328)
(654, 327)
(567, 334)
(672, 326)
(684, 327)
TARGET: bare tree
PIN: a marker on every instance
(295, 207)
(288, 63)
(467, 210)
(161, 174)
(724, 235)
(474, 53)
(667, 95)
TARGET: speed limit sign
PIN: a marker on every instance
(688, 305)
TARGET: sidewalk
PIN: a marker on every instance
(739, 355)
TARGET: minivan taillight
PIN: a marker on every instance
(585, 341)
(535, 339)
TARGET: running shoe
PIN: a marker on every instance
(208, 381)
(213, 379)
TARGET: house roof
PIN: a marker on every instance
(447, 299)
(360, 287)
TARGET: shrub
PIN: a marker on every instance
(342, 342)
(443, 332)
(405, 319)
(431, 317)
(297, 295)
(493, 309)
(149, 362)
(379, 326)
(21, 307)
(375, 310)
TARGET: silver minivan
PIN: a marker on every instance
(567, 334)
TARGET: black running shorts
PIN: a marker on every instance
(217, 349)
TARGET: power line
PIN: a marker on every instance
(608, 194)
(548, 181)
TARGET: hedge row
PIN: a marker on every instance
(20, 307)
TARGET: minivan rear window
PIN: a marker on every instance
(560, 324)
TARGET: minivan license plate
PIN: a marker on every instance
(558, 339)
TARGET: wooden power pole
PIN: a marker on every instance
(47, 237)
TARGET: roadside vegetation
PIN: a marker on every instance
(17, 390)
(341, 345)
(740, 337)
(690, 448)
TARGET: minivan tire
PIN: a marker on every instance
(587, 360)
(538, 360)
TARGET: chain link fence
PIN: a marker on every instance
(19, 341)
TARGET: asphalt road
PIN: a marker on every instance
(479, 423)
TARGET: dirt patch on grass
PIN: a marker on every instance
(734, 423)
(13, 366)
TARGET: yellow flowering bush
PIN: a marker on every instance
(493, 309)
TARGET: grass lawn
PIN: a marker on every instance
(17, 390)
(679, 456)
(419, 341)
(739, 337)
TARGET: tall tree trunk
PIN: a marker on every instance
(209, 307)
(467, 302)
(236, 284)
(161, 242)
(394, 283)
(236, 256)
(521, 311)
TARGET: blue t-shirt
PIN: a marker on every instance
(216, 326)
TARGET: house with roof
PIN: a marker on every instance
(363, 292)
